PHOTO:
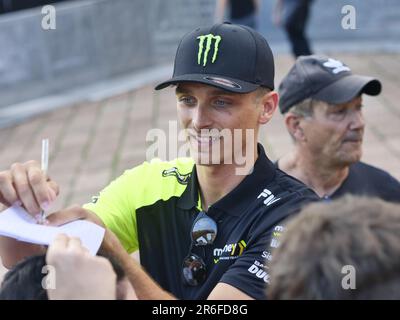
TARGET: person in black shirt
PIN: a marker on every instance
(242, 12)
(293, 15)
(321, 101)
(204, 229)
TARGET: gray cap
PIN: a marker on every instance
(323, 78)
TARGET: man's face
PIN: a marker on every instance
(335, 132)
(216, 121)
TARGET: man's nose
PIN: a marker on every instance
(357, 119)
(201, 117)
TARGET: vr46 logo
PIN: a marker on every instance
(205, 47)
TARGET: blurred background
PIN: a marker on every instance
(87, 85)
(7, 6)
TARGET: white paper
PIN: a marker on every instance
(16, 223)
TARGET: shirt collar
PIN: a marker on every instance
(190, 196)
(239, 199)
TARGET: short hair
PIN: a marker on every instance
(24, 281)
(261, 92)
(361, 232)
(304, 108)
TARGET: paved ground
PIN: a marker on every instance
(90, 144)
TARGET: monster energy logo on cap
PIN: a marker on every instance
(208, 38)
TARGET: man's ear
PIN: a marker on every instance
(269, 103)
(294, 125)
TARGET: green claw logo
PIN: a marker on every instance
(205, 45)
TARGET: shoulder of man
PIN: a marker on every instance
(156, 170)
(373, 181)
(149, 182)
(141, 186)
(371, 172)
(290, 187)
(281, 198)
(372, 176)
(284, 196)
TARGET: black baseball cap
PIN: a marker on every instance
(323, 78)
(228, 56)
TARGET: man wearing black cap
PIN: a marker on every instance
(321, 101)
(203, 229)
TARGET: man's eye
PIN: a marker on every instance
(339, 111)
(187, 100)
(221, 103)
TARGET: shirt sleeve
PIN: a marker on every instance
(115, 207)
(390, 189)
(250, 273)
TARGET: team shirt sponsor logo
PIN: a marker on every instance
(258, 269)
(276, 234)
(229, 251)
(266, 255)
(269, 197)
(182, 178)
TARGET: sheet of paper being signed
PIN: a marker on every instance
(16, 223)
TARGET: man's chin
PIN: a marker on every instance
(348, 158)
(204, 158)
(203, 154)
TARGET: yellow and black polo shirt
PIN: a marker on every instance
(152, 207)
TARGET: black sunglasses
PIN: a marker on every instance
(203, 232)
